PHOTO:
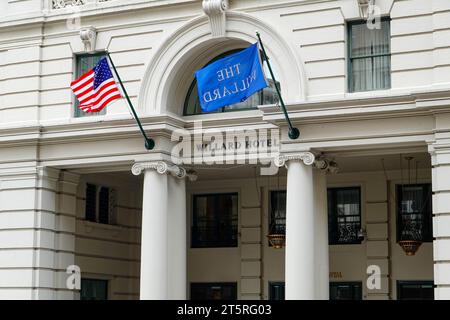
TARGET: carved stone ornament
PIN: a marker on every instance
(307, 158)
(364, 7)
(89, 37)
(163, 168)
(216, 12)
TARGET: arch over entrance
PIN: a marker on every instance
(170, 73)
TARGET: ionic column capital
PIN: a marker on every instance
(317, 161)
(163, 167)
(307, 158)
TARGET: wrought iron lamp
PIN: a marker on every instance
(410, 246)
(277, 228)
(411, 239)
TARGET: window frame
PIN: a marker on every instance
(353, 284)
(272, 285)
(112, 204)
(350, 59)
(104, 281)
(78, 113)
(207, 285)
(401, 283)
(195, 243)
(331, 241)
(429, 206)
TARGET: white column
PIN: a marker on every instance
(177, 238)
(154, 246)
(299, 261)
(321, 235)
(163, 245)
(440, 160)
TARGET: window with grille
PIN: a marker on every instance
(215, 221)
(414, 212)
(344, 215)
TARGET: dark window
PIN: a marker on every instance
(94, 289)
(344, 215)
(414, 212)
(345, 291)
(415, 290)
(103, 206)
(265, 96)
(100, 204)
(276, 290)
(215, 221)
(369, 63)
(91, 202)
(214, 291)
(277, 218)
(84, 64)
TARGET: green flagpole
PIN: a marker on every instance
(149, 143)
(294, 133)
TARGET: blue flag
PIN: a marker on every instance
(231, 80)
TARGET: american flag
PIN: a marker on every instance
(97, 88)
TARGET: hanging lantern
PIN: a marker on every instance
(277, 232)
(411, 237)
(277, 228)
(277, 241)
(410, 246)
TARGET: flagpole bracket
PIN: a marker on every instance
(294, 133)
(149, 144)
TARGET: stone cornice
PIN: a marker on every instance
(362, 107)
(163, 167)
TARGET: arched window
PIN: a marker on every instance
(266, 96)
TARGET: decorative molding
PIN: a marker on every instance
(364, 7)
(89, 37)
(60, 4)
(216, 12)
(326, 164)
(163, 168)
(308, 158)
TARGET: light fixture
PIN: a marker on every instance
(277, 229)
(410, 238)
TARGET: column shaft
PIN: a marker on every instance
(299, 232)
(154, 246)
(177, 238)
(321, 235)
